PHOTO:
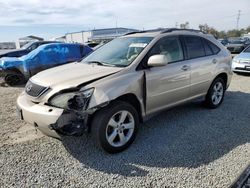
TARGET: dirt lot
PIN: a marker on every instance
(189, 146)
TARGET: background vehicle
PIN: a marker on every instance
(223, 41)
(18, 70)
(236, 45)
(125, 82)
(27, 48)
(241, 62)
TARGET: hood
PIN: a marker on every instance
(234, 45)
(13, 53)
(243, 56)
(72, 75)
(8, 62)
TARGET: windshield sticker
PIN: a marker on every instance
(139, 45)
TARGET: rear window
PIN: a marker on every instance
(194, 46)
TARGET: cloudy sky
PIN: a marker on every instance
(56, 17)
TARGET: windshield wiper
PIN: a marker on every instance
(100, 63)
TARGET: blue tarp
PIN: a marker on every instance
(44, 57)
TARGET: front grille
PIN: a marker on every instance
(245, 62)
(35, 90)
(243, 69)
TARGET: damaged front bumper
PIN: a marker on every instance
(52, 121)
(2, 72)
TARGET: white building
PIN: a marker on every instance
(247, 35)
(97, 35)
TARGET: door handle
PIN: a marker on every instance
(214, 61)
(185, 67)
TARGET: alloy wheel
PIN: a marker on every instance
(218, 91)
(120, 128)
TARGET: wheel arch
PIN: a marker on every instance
(129, 98)
(133, 100)
(224, 76)
(13, 70)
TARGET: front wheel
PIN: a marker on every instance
(114, 127)
(14, 79)
(215, 94)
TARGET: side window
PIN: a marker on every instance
(214, 48)
(170, 47)
(194, 47)
(33, 47)
(207, 48)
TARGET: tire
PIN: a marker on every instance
(108, 129)
(215, 94)
(14, 79)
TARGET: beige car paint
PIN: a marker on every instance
(166, 86)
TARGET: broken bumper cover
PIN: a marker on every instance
(51, 121)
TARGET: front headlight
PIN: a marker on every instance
(72, 100)
(236, 61)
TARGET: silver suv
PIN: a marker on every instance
(124, 82)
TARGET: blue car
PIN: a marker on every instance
(18, 70)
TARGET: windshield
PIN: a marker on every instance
(236, 42)
(247, 49)
(119, 52)
(27, 45)
(31, 55)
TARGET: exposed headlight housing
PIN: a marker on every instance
(77, 100)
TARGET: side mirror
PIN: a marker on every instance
(158, 61)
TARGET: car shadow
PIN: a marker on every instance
(243, 74)
(186, 136)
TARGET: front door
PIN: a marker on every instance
(170, 84)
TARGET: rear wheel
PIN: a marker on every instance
(215, 94)
(114, 127)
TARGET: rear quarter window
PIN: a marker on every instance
(208, 49)
(214, 48)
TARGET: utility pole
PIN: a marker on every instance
(176, 24)
(238, 19)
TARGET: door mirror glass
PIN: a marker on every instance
(158, 60)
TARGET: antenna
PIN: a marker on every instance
(238, 19)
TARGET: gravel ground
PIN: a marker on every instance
(188, 146)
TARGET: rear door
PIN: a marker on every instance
(168, 84)
(202, 60)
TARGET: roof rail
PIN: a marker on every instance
(145, 31)
(134, 32)
(168, 30)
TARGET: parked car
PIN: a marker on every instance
(241, 62)
(237, 45)
(27, 48)
(18, 70)
(124, 82)
(223, 41)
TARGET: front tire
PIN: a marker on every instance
(114, 127)
(14, 79)
(215, 94)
